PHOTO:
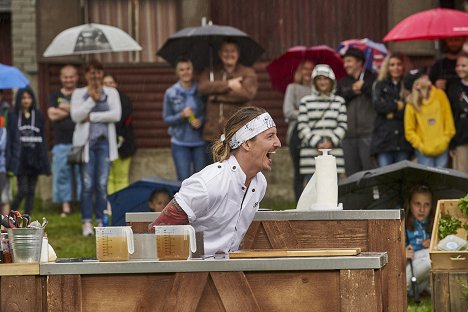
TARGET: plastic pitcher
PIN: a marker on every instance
(114, 243)
(174, 242)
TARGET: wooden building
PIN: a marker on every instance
(275, 24)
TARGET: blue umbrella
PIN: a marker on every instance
(12, 78)
(134, 198)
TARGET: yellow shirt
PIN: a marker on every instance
(430, 129)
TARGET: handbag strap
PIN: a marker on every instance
(323, 114)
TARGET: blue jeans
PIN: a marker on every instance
(65, 178)
(185, 156)
(388, 158)
(95, 174)
(439, 161)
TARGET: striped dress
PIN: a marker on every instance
(313, 128)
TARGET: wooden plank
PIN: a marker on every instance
(186, 292)
(457, 299)
(311, 252)
(21, 293)
(362, 298)
(388, 235)
(64, 293)
(280, 234)
(316, 291)
(440, 289)
(210, 300)
(331, 233)
(234, 291)
(250, 236)
(125, 292)
(19, 269)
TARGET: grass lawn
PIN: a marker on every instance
(66, 239)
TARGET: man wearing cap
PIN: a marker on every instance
(221, 200)
(356, 89)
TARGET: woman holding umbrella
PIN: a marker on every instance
(295, 91)
(388, 140)
(230, 87)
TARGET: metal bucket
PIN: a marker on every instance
(26, 244)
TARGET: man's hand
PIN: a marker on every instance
(235, 84)
(94, 93)
(357, 86)
(65, 106)
(186, 112)
(195, 123)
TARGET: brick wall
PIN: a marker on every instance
(23, 28)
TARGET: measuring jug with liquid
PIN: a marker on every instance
(114, 243)
(175, 242)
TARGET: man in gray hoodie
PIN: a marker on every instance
(356, 89)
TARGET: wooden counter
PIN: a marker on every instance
(352, 283)
(370, 230)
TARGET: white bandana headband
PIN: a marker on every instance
(251, 129)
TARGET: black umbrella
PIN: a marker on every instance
(386, 187)
(201, 44)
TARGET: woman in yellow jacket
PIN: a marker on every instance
(429, 125)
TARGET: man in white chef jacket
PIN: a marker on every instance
(221, 200)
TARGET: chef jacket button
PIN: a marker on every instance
(234, 168)
(219, 166)
(243, 188)
(253, 190)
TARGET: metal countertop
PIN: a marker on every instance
(367, 260)
(391, 214)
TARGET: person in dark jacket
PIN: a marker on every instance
(120, 168)
(66, 179)
(442, 73)
(356, 89)
(458, 96)
(26, 148)
(388, 140)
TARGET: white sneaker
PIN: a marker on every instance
(88, 229)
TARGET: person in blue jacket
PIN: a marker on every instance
(183, 111)
(419, 220)
(26, 155)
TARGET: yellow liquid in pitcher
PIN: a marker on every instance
(112, 248)
(172, 247)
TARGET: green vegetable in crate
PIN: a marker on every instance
(448, 225)
(463, 204)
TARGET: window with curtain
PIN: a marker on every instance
(149, 22)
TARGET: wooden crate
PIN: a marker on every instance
(448, 294)
(448, 260)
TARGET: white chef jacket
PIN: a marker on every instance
(214, 202)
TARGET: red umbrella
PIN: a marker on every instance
(431, 24)
(281, 69)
